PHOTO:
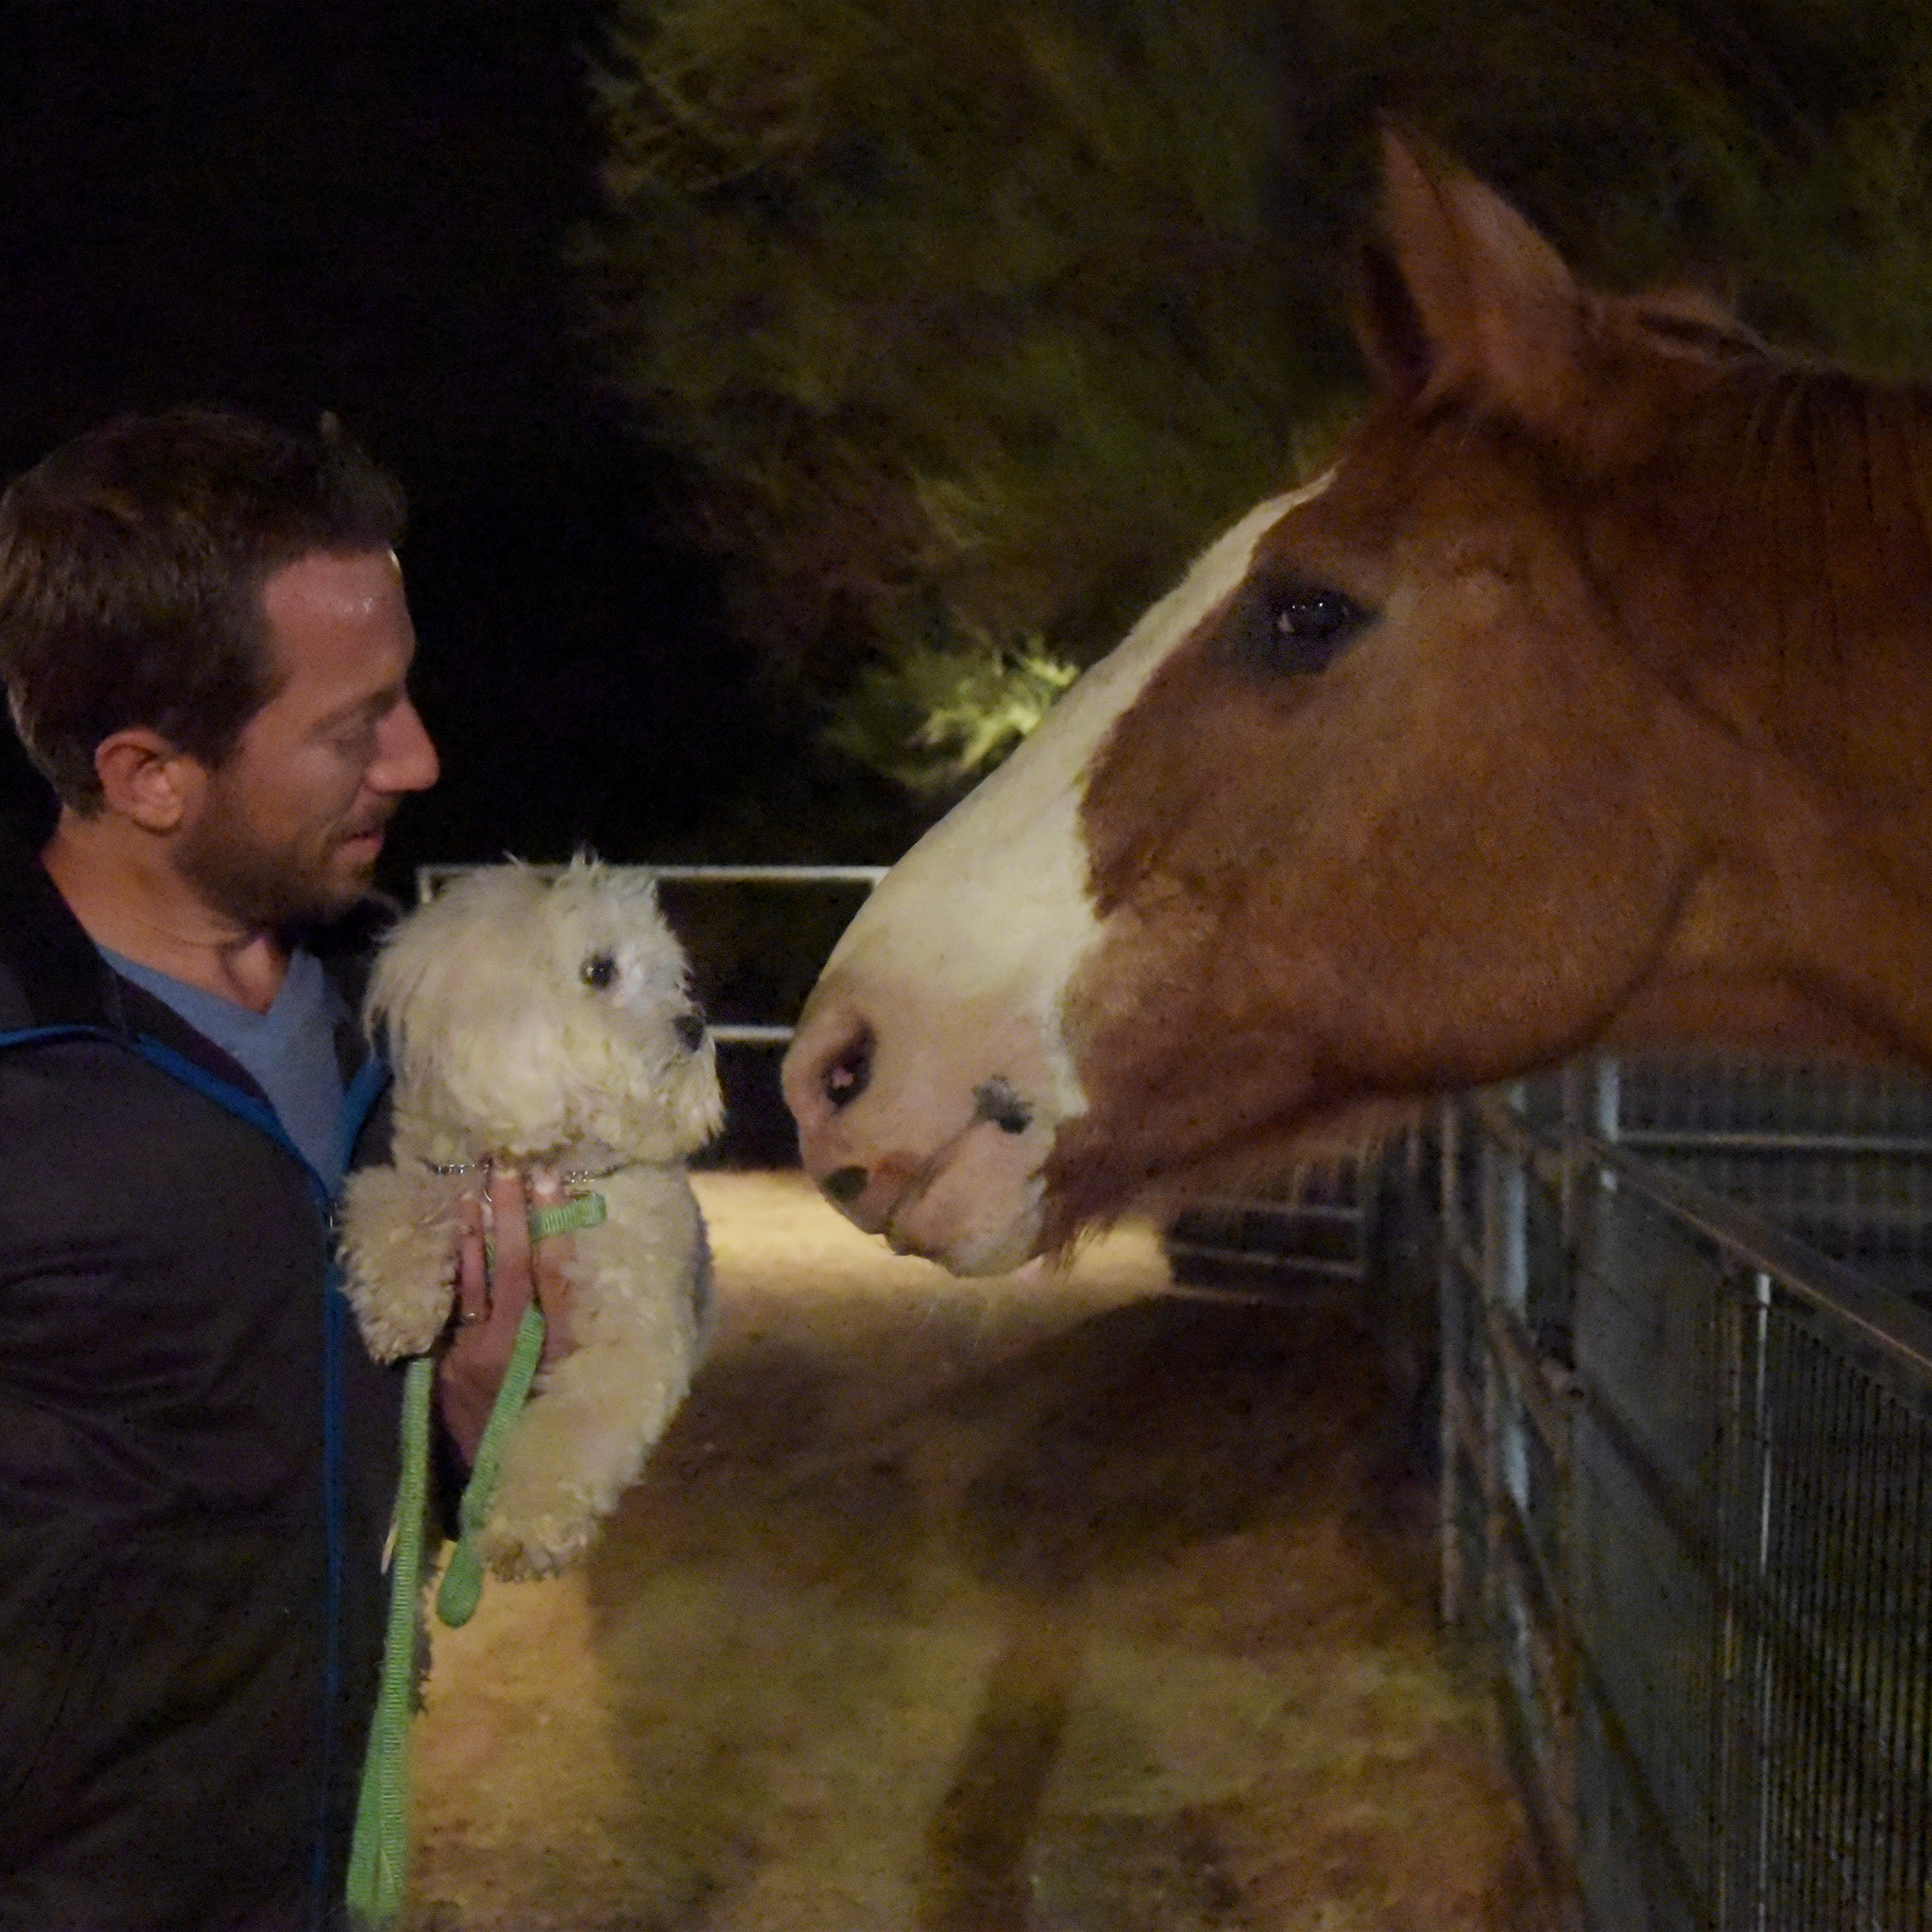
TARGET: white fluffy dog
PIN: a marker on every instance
(546, 1025)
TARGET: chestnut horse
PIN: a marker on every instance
(1584, 702)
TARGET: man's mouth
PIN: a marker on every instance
(362, 848)
(371, 835)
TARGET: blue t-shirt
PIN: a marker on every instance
(290, 1049)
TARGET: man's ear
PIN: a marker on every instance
(146, 778)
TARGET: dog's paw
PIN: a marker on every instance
(399, 1260)
(399, 1306)
(547, 1547)
(394, 1340)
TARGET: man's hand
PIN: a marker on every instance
(490, 1299)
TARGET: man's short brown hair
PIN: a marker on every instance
(131, 563)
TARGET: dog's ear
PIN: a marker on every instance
(512, 1077)
(394, 981)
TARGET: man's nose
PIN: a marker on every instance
(405, 759)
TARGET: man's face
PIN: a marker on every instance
(289, 826)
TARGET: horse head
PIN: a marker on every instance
(1579, 702)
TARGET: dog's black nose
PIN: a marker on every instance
(690, 1030)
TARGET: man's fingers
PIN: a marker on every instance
(497, 1270)
(510, 1270)
(550, 1266)
(471, 1275)
(492, 1293)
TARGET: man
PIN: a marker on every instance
(205, 645)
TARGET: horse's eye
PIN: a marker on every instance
(599, 971)
(1304, 628)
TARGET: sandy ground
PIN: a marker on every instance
(1072, 1605)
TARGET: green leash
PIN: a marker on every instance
(461, 1586)
(378, 1857)
(379, 1853)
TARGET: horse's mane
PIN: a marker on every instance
(1798, 500)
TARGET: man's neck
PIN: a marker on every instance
(119, 882)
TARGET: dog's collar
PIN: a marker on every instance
(583, 1209)
(566, 1177)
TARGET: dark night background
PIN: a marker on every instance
(364, 208)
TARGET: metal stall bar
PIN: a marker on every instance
(1505, 1446)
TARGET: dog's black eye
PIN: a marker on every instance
(599, 971)
(1298, 628)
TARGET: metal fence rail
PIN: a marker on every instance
(1839, 1155)
(1312, 1230)
(1687, 1501)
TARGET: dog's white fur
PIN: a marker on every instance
(536, 1025)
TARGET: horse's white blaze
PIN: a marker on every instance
(994, 899)
(957, 966)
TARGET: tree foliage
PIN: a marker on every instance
(934, 719)
(970, 316)
(1776, 152)
(972, 321)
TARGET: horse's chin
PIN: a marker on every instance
(974, 1215)
(969, 1235)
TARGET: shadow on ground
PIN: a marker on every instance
(994, 1607)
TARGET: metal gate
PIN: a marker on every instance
(1688, 1506)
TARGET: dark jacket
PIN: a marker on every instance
(197, 1468)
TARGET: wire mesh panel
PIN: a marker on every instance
(1826, 1772)
(1688, 1480)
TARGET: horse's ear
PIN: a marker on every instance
(1460, 289)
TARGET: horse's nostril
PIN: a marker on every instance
(690, 1030)
(847, 1077)
(844, 1184)
(995, 1100)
